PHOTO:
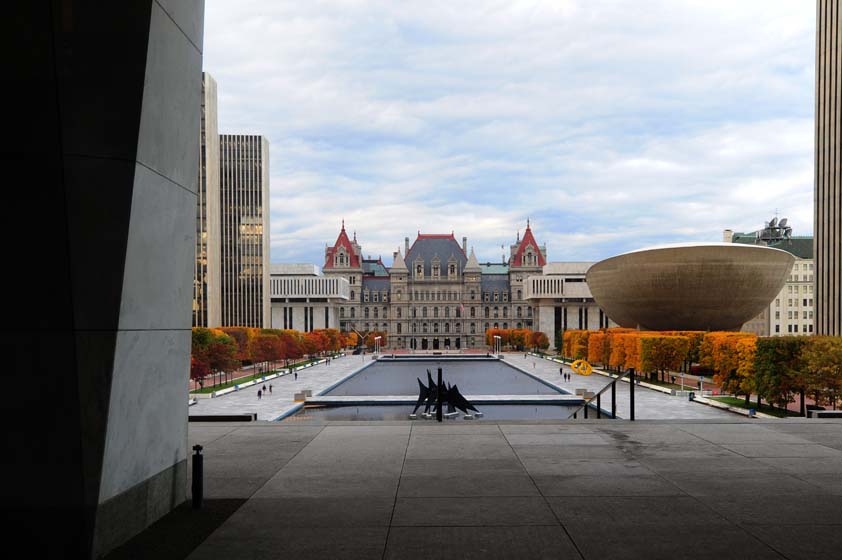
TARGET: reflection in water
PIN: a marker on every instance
(401, 413)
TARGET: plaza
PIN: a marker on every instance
(594, 489)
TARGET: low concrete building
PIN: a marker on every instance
(303, 299)
(562, 300)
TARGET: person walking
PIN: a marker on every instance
(561, 372)
(259, 394)
(264, 388)
(296, 376)
(270, 388)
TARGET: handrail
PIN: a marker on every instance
(611, 385)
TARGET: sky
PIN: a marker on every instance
(610, 124)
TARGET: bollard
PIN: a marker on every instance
(198, 474)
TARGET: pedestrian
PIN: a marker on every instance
(533, 364)
(561, 372)
(296, 376)
(259, 394)
(270, 388)
(264, 388)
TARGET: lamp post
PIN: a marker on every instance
(497, 344)
(376, 344)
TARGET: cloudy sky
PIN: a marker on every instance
(611, 124)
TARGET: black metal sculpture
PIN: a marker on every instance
(434, 395)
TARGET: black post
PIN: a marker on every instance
(614, 399)
(440, 396)
(631, 393)
(599, 405)
(198, 474)
(586, 409)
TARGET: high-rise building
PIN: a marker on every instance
(206, 294)
(244, 230)
(828, 166)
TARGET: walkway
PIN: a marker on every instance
(280, 401)
(588, 490)
(649, 404)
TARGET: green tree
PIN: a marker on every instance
(822, 357)
(779, 370)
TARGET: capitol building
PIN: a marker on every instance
(436, 294)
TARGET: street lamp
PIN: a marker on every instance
(497, 347)
(376, 344)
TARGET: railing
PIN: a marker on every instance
(598, 397)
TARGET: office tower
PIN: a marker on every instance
(828, 165)
(244, 230)
(206, 294)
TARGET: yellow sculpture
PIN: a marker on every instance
(582, 367)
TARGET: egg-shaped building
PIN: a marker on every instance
(698, 286)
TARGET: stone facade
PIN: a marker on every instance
(436, 295)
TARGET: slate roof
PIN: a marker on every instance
(528, 240)
(375, 284)
(342, 241)
(491, 282)
(374, 268)
(494, 268)
(428, 246)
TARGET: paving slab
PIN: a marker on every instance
(662, 489)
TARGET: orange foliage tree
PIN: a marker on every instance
(731, 357)
(662, 353)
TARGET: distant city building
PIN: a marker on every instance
(791, 312)
(244, 230)
(304, 299)
(828, 194)
(206, 272)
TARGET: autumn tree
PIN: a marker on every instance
(822, 357)
(660, 354)
(779, 371)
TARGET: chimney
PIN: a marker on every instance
(465, 245)
(727, 236)
(406, 246)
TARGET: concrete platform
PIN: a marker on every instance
(348, 400)
(586, 489)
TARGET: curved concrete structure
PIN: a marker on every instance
(700, 286)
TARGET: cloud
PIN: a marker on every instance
(612, 125)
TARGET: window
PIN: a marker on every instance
(353, 312)
(778, 302)
(399, 328)
(486, 296)
(473, 294)
(398, 311)
(375, 296)
(399, 295)
(473, 312)
(795, 327)
(519, 312)
(436, 312)
(447, 311)
(435, 327)
(365, 312)
(529, 312)
(505, 326)
(777, 314)
(519, 294)
(487, 312)
(496, 296)
(777, 328)
(414, 312)
(352, 295)
(424, 327)
(414, 327)
(436, 270)
(458, 327)
(365, 296)
(505, 312)
(496, 311)
(341, 312)
(473, 328)
(505, 296)
(451, 270)
(376, 314)
(805, 303)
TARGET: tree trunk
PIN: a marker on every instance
(803, 406)
(748, 399)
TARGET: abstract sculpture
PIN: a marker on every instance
(434, 395)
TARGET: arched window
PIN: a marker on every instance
(352, 295)
(447, 327)
(496, 311)
(505, 312)
(435, 327)
(376, 313)
(520, 294)
(458, 312)
(385, 311)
